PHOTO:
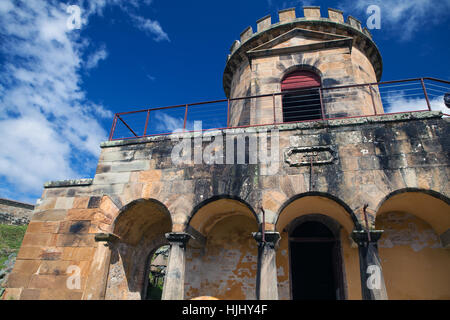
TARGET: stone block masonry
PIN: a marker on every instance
(372, 158)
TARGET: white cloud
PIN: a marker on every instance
(151, 27)
(401, 18)
(96, 57)
(49, 129)
(402, 104)
(168, 123)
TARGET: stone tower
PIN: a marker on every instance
(338, 53)
(357, 191)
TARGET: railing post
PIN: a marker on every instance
(426, 95)
(373, 101)
(113, 127)
(146, 122)
(228, 113)
(273, 101)
(185, 118)
(322, 110)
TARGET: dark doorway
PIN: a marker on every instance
(315, 263)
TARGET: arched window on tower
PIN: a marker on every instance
(301, 96)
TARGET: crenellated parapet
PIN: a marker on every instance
(311, 20)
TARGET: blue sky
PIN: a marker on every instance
(59, 88)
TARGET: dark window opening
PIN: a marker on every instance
(301, 96)
(315, 263)
(301, 105)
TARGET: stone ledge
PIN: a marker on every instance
(68, 183)
(319, 124)
(17, 204)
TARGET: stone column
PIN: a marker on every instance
(98, 272)
(174, 280)
(372, 280)
(266, 277)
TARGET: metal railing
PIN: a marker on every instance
(326, 103)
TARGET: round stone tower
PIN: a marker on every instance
(310, 54)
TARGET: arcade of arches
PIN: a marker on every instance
(313, 255)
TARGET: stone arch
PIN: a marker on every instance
(234, 201)
(329, 208)
(300, 67)
(223, 264)
(136, 210)
(140, 228)
(330, 223)
(418, 202)
(412, 250)
(347, 217)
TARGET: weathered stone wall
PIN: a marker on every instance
(14, 212)
(371, 159)
(407, 247)
(226, 267)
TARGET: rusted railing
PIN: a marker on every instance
(322, 103)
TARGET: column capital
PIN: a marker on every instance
(270, 237)
(361, 236)
(109, 239)
(180, 238)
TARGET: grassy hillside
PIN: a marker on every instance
(10, 240)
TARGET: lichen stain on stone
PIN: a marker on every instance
(76, 227)
(401, 229)
(226, 269)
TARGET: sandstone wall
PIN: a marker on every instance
(341, 53)
(365, 160)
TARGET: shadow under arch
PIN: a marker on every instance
(416, 224)
(215, 205)
(329, 211)
(328, 202)
(144, 212)
(223, 265)
(419, 202)
(140, 226)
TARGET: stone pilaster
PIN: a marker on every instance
(266, 277)
(372, 280)
(98, 271)
(174, 280)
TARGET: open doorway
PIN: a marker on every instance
(316, 263)
(156, 273)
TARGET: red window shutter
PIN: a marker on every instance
(300, 79)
